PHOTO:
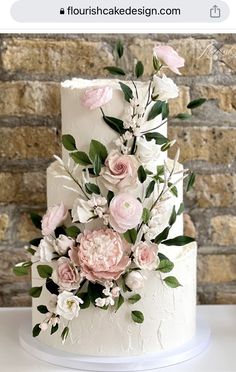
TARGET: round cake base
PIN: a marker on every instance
(103, 364)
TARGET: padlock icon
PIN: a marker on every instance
(62, 11)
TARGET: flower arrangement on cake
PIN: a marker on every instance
(129, 190)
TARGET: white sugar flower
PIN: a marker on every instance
(147, 151)
(81, 211)
(164, 88)
(62, 244)
(68, 305)
(45, 251)
(100, 302)
(135, 280)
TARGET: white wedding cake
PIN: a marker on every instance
(113, 274)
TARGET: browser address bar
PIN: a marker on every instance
(137, 11)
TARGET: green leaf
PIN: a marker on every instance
(156, 63)
(22, 269)
(52, 287)
(172, 282)
(146, 215)
(42, 309)
(158, 137)
(155, 110)
(179, 240)
(97, 165)
(119, 48)
(119, 302)
(36, 219)
(160, 170)
(85, 297)
(44, 271)
(142, 176)
(165, 110)
(30, 250)
(130, 236)
(191, 181)
(128, 94)
(181, 209)
(173, 189)
(165, 266)
(139, 69)
(196, 103)
(54, 329)
(36, 330)
(95, 291)
(97, 148)
(35, 292)
(80, 158)
(35, 242)
(115, 70)
(150, 189)
(183, 116)
(133, 299)
(137, 316)
(65, 334)
(72, 231)
(91, 188)
(173, 216)
(68, 142)
(110, 196)
(162, 236)
(166, 146)
(116, 124)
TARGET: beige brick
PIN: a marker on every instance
(223, 297)
(189, 228)
(197, 60)
(179, 104)
(24, 188)
(21, 300)
(28, 143)
(225, 96)
(29, 98)
(227, 56)
(214, 190)
(9, 258)
(224, 230)
(26, 230)
(216, 145)
(216, 268)
(4, 222)
(57, 57)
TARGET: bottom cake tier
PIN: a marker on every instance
(169, 315)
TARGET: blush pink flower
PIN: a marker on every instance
(120, 172)
(102, 255)
(66, 275)
(167, 55)
(145, 256)
(53, 218)
(125, 212)
(96, 97)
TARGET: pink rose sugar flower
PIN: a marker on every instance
(66, 275)
(125, 212)
(53, 218)
(96, 97)
(102, 255)
(120, 171)
(169, 57)
(145, 256)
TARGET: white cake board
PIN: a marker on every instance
(107, 364)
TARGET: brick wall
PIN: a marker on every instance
(31, 68)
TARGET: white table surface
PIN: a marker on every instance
(219, 357)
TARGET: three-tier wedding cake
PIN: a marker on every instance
(113, 274)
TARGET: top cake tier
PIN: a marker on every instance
(86, 124)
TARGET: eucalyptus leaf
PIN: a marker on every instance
(181, 209)
(173, 216)
(91, 188)
(68, 142)
(142, 176)
(36, 330)
(97, 165)
(155, 110)
(179, 240)
(44, 271)
(146, 215)
(165, 266)
(80, 158)
(119, 302)
(133, 299)
(191, 180)
(158, 137)
(150, 189)
(137, 316)
(172, 282)
(183, 116)
(128, 94)
(65, 334)
(35, 292)
(173, 189)
(97, 148)
(116, 124)
(165, 110)
(196, 103)
(115, 70)
(130, 236)
(119, 48)
(162, 236)
(139, 69)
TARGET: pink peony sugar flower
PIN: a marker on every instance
(145, 256)
(125, 212)
(120, 172)
(96, 97)
(167, 55)
(66, 275)
(53, 218)
(102, 255)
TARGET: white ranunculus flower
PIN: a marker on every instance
(81, 211)
(159, 219)
(164, 88)
(135, 280)
(62, 244)
(46, 250)
(68, 305)
(147, 151)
